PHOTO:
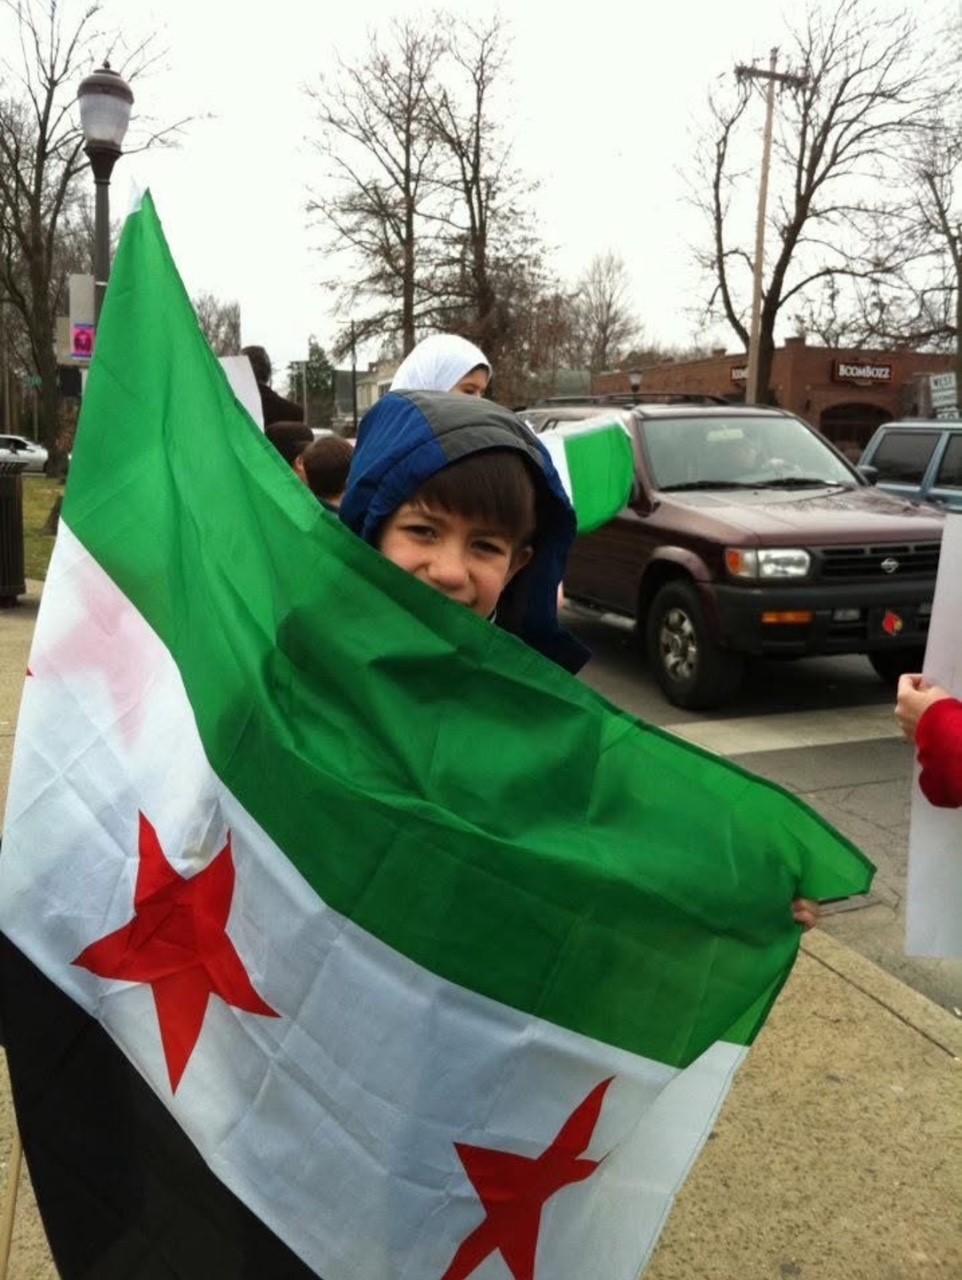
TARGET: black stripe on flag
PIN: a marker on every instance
(123, 1193)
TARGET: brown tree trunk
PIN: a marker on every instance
(766, 356)
(52, 523)
(488, 336)
(958, 336)
(766, 331)
(42, 327)
(407, 285)
(49, 407)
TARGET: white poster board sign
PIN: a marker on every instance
(934, 907)
(944, 396)
(240, 375)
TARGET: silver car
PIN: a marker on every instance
(19, 449)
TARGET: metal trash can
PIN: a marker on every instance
(12, 582)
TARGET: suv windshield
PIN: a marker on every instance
(740, 452)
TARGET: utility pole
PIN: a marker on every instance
(754, 392)
(304, 391)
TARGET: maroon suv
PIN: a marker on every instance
(750, 534)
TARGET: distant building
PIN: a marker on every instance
(374, 384)
(844, 392)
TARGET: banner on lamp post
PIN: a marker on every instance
(81, 315)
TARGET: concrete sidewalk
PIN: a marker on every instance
(838, 1155)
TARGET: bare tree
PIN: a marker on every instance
(833, 167)
(220, 323)
(605, 324)
(383, 157)
(41, 161)
(921, 304)
(935, 222)
(534, 331)
(433, 221)
(490, 239)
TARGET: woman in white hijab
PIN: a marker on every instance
(444, 362)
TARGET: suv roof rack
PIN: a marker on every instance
(628, 399)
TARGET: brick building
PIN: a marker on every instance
(845, 393)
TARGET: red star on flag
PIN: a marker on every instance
(177, 941)
(514, 1190)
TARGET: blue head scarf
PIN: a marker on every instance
(409, 436)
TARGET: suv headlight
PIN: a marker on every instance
(767, 563)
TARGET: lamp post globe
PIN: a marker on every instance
(105, 100)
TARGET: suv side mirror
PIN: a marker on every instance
(868, 472)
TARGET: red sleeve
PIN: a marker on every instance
(939, 741)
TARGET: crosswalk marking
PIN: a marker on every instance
(787, 730)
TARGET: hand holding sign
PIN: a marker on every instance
(916, 695)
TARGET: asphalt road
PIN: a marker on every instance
(824, 729)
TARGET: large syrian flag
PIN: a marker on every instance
(346, 935)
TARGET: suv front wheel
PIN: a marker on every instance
(889, 664)
(692, 670)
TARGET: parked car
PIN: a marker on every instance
(544, 417)
(750, 534)
(19, 449)
(918, 460)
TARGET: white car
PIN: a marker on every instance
(19, 449)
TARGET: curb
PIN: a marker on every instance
(909, 1006)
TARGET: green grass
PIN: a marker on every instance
(39, 496)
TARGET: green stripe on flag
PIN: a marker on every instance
(602, 470)
(432, 779)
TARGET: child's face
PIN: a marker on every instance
(453, 554)
(474, 383)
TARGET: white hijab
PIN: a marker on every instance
(438, 364)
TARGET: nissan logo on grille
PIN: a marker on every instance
(889, 565)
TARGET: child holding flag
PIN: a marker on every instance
(462, 495)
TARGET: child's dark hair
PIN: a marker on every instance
(494, 487)
(326, 463)
(289, 438)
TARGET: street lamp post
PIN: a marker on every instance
(105, 101)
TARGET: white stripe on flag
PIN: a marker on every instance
(555, 445)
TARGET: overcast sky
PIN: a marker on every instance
(605, 98)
